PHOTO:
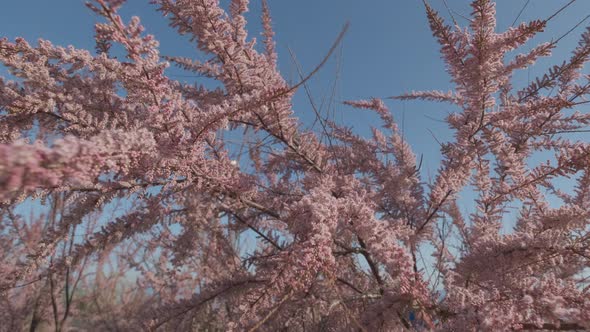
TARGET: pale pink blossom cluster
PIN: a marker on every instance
(154, 218)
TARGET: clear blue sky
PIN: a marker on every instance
(388, 49)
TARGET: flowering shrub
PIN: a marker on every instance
(147, 215)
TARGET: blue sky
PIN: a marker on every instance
(388, 49)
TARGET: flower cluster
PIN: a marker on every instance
(151, 218)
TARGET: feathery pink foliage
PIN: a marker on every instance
(304, 233)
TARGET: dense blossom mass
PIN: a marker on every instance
(149, 221)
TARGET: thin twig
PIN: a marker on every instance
(520, 12)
